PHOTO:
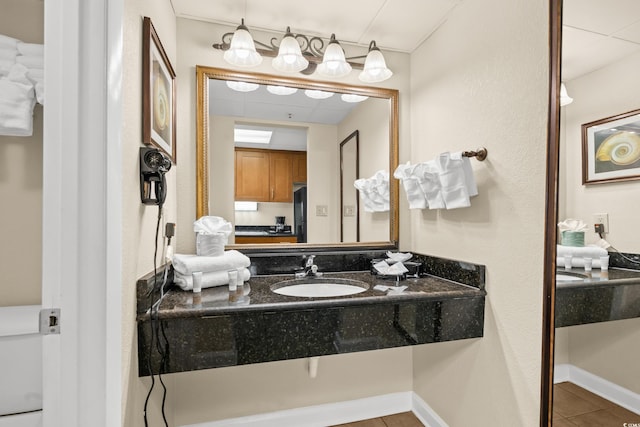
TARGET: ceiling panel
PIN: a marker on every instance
(601, 16)
(630, 33)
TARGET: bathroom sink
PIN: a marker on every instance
(313, 287)
(566, 277)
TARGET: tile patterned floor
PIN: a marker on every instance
(574, 406)
(404, 419)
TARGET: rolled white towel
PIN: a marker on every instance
(8, 41)
(30, 49)
(577, 262)
(209, 280)
(230, 260)
(31, 61)
(590, 251)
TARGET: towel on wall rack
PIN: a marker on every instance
(374, 191)
(17, 100)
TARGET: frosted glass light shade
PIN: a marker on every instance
(242, 86)
(242, 52)
(565, 99)
(281, 90)
(334, 63)
(352, 98)
(375, 68)
(318, 94)
(290, 58)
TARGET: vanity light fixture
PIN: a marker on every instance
(303, 54)
(353, 98)
(318, 94)
(242, 86)
(565, 99)
(242, 50)
(281, 90)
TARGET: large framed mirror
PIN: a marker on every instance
(238, 177)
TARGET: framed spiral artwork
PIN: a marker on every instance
(611, 149)
(158, 94)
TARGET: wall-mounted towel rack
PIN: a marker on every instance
(480, 154)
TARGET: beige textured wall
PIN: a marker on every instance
(138, 220)
(21, 178)
(371, 118)
(481, 80)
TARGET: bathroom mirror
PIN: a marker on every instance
(219, 112)
(599, 53)
(349, 198)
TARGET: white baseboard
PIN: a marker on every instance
(595, 384)
(337, 413)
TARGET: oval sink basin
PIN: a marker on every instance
(319, 288)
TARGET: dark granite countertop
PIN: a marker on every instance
(214, 301)
(597, 277)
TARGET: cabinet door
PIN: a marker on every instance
(300, 167)
(281, 177)
(252, 176)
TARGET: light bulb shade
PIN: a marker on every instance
(242, 51)
(334, 63)
(289, 57)
(352, 98)
(281, 90)
(375, 68)
(242, 86)
(318, 94)
(565, 99)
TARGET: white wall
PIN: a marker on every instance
(603, 93)
(482, 80)
(138, 220)
(21, 178)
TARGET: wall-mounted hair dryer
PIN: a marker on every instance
(153, 166)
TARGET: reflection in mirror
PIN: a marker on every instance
(349, 200)
(597, 336)
(275, 142)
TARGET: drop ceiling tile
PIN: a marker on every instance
(404, 24)
(630, 33)
(601, 16)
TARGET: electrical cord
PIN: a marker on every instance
(154, 322)
(624, 256)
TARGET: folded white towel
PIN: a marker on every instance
(8, 53)
(453, 182)
(469, 178)
(39, 88)
(590, 251)
(230, 260)
(429, 180)
(374, 192)
(31, 61)
(36, 73)
(209, 280)
(8, 41)
(16, 103)
(411, 185)
(6, 65)
(577, 262)
(30, 49)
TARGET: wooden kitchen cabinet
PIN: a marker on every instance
(268, 175)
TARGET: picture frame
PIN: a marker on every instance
(158, 93)
(611, 149)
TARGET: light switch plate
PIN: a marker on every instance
(349, 210)
(322, 210)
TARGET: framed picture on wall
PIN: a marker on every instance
(611, 149)
(158, 94)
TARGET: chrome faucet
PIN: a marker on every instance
(309, 267)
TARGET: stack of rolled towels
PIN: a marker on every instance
(374, 191)
(447, 182)
(21, 84)
(578, 254)
(214, 268)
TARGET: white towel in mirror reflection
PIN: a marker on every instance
(374, 192)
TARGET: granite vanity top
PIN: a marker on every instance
(598, 296)
(179, 303)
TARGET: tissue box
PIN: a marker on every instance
(210, 244)
(573, 238)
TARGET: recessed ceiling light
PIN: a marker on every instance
(252, 136)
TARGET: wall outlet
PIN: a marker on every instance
(322, 210)
(602, 218)
(349, 210)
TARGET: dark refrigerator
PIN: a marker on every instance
(300, 214)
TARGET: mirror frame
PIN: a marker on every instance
(204, 73)
(551, 214)
(354, 136)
